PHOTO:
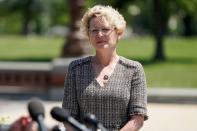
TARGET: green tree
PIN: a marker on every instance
(32, 15)
(30, 10)
(188, 9)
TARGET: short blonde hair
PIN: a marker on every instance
(112, 16)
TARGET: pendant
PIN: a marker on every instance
(105, 77)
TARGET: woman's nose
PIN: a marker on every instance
(100, 33)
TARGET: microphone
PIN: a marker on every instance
(63, 116)
(36, 111)
(58, 128)
(91, 119)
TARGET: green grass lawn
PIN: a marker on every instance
(15, 48)
(179, 69)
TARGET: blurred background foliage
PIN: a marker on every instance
(32, 16)
(35, 30)
(38, 16)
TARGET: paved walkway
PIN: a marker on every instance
(171, 117)
(162, 117)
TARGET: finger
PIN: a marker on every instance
(32, 126)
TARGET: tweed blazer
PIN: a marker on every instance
(124, 95)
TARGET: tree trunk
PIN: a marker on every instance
(76, 44)
(26, 18)
(159, 29)
(187, 22)
(38, 28)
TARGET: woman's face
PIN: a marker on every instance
(101, 34)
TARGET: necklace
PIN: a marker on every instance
(105, 77)
(108, 70)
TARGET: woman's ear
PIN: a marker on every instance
(119, 35)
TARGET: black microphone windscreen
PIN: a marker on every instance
(91, 118)
(59, 114)
(35, 109)
(58, 128)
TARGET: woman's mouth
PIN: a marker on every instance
(100, 42)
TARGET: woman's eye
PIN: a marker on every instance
(94, 30)
(105, 30)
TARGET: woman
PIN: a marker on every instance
(107, 85)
